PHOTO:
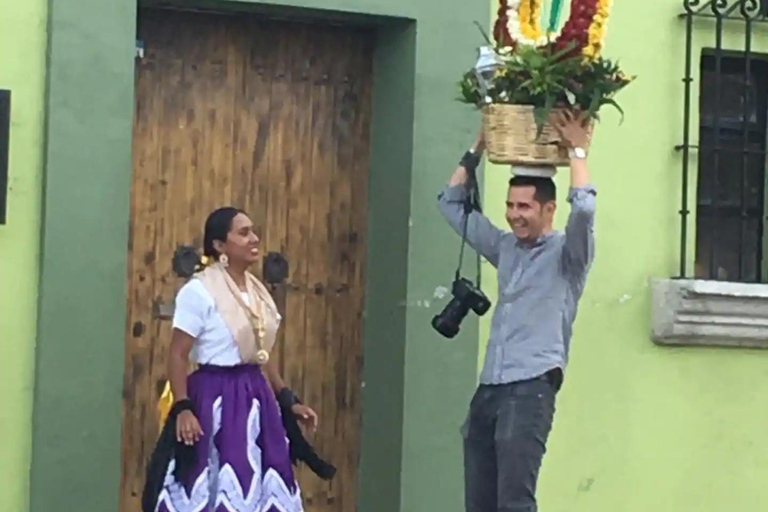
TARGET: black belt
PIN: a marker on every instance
(553, 377)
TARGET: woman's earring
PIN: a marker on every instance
(224, 260)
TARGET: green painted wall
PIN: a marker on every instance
(417, 385)
(640, 427)
(22, 69)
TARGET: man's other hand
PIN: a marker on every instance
(479, 145)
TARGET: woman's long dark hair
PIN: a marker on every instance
(217, 226)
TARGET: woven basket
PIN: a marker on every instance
(510, 137)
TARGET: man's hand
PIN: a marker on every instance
(574, 127)
(576, 131)
(459, 176)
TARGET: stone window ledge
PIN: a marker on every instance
(709, 313)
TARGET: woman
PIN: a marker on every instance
(231, 451)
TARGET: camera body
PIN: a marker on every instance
(466, 297)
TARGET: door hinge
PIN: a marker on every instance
(139, 49)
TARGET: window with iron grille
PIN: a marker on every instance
(731, 168)
(730, 156)
(724, 149)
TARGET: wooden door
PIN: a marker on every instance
(273, 118)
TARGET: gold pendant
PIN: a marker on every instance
(262, 357)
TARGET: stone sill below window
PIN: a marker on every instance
(689, 312)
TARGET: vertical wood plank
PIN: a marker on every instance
(140, 280)
(353, 346)
(341, 306)
(276, 189)
(323, 157)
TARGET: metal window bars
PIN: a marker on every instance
(747, 14)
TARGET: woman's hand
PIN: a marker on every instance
(188, 428)
(306, 416)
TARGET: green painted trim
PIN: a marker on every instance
(294, 11)
(416, 384)
(383, 395)
(81, 322)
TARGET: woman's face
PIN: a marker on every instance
(242, 245)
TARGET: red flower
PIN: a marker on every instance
(575, 33)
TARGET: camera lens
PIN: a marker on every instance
(449, 320)
(447, 329)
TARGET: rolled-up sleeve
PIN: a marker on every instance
(579, 250)
(482, 235)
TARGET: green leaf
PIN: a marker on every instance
(560, 53)
(526, 84)
(615, 105)
(484, 34)
(594, 103)
(544, 77)
(541, 114)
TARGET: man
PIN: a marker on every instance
(541, 276)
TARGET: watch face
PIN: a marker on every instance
(579, 153)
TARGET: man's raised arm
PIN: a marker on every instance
(579, 249)
(482, 235)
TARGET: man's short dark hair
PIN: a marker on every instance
(546, 190)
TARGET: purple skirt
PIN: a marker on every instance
(242, 460)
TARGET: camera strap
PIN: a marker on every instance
(471, 203)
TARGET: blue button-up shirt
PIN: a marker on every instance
(539, 286)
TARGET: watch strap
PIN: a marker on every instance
(470, 161)
(577, 152)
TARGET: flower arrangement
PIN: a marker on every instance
(547, 68)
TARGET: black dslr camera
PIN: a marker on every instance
(466, 296)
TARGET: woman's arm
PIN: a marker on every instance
(187, 427)
(178, 361)
(273, 376)
(304, 413)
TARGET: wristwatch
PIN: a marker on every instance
(577, 152)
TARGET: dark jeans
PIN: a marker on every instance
(504, 442)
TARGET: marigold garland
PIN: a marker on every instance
(523, 22)
(529, 12)
(597, 30)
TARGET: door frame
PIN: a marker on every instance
(416, 125)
